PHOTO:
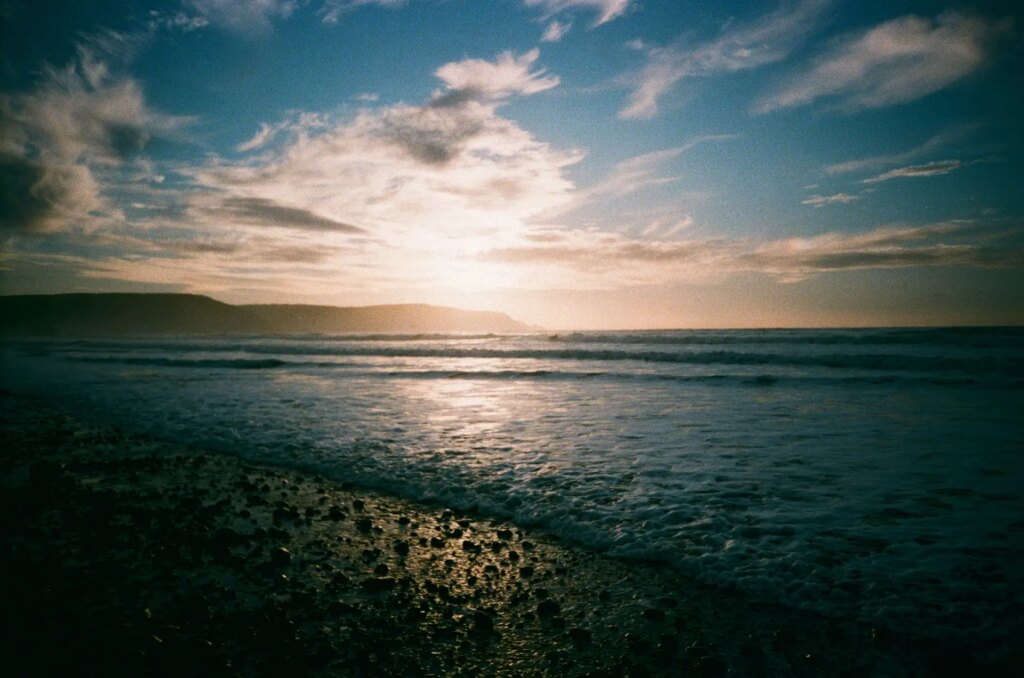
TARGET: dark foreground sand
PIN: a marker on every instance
(124, 555)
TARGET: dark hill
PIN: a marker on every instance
(111, 314)
(389, 318)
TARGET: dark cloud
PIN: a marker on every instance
(434, 134)
(931, 169)
(455, 98)
(38, 198)
(264, 212)
(929, 255)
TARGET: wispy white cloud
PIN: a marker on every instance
(641, 171)
(765, 41)
(243, 17)
(332, 10)
(555, 31)
(934, 143)
(295, 121)
(666, 228)
(893, 63)
(180, 21)
(836, 198)
(262, 136)
(508, 75)
(931, 169)
(606, 10)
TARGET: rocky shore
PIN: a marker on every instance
(125, 555)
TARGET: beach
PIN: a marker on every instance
(127, 554)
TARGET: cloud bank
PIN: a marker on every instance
(597, 260)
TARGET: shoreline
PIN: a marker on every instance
(138, 555)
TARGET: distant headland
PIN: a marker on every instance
(127, 313)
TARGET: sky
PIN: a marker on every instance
(574, 163)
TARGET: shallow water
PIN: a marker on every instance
(871, 473)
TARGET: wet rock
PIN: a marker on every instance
(482, 622)
(712, 666)
(753, 656)
(280, 557)
(637, 644)
(654, 614)
(379, 584)
(547, 609)
(45, 472)
(668, 644)
(282, 514)
(580, 637)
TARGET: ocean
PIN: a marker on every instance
(873, 474)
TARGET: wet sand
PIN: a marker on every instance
(125, 555)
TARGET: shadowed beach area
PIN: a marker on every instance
(124, 554)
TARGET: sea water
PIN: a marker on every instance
(875, 474)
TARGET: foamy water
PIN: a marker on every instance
(872, 473)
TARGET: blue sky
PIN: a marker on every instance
(576, 163)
